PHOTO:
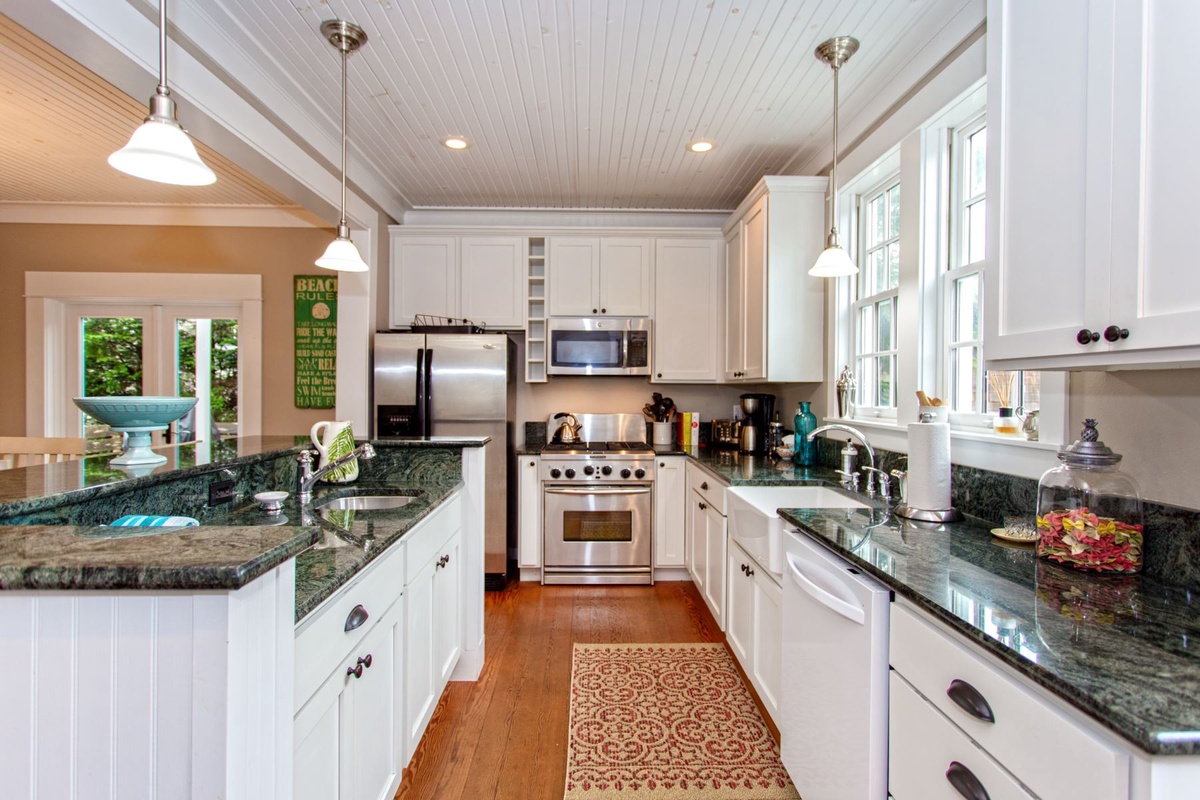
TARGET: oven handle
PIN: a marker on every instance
(621, 490)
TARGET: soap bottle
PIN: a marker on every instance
(805, 423)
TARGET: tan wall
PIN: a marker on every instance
(275, 253)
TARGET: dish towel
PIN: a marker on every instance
(144, 521)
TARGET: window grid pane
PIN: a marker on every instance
(875, 334)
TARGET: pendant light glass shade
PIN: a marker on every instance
(160, 150)
(342, 255)
(834, 262)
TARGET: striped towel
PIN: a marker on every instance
(143, 520)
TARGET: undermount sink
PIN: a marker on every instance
(753, 520)
(364, 502)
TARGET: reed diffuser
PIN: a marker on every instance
(1005, 423)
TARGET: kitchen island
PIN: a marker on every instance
(170, 663)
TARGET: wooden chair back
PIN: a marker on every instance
(24, 451)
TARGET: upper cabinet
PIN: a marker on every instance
(687, 310)
(481, 278)
(1090, 168)
(599, 276)
(775, 311)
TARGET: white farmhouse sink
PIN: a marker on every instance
(756, 526)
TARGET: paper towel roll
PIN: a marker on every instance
(928, 466)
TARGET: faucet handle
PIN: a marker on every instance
(885, 482)
(849, 479)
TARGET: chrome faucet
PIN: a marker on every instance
(849, 453)
(306, 478)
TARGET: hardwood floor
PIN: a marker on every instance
(505, 735)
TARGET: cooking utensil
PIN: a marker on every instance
(568, 431)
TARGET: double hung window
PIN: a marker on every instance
(875, 325)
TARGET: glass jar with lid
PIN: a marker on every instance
(1089, 513)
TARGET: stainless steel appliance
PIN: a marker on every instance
(598, 503)
(726, 433)
(455, 385)
(599, 346)
(759, 410)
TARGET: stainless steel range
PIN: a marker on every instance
(598, 502)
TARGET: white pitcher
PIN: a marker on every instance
(334, 440)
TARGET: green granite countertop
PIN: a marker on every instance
(1121, 649)
(45, 547)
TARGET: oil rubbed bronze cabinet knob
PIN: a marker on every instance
(1114, 334)
(1086, 337)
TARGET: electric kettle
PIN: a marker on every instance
(568, 431)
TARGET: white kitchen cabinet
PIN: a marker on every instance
(669, 520)
(478, 277)
(706, 539)
(775, 311)
(348, 740)
(753, 624)
(529, 512)
(1091, 167)
(599, 276)
(688, 283)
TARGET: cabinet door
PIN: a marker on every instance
(697, 530)
(687, 311)
(529, 512)
(420, 672)
(669, 512)
(316, 759)
(714, 565)
(739, 610)
(735, 261)
(1049, 244)
(767, 657)
(492, 280)
(624, 278)
(371, 737)
(424, 277)
(573, 271)
(754, 293)
(447, 611)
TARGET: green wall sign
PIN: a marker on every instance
(316, 340)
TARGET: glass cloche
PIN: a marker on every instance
(1089, 513)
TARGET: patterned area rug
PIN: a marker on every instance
(667, 721)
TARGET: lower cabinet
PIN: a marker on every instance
(348, 740)
(529, 512)
(706, 548)
(754, 625)
(670, 494)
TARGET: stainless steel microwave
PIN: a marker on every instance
(599, 346)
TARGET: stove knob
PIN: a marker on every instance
(588, 470)
(624, 473)
(555, 473)
(607, 470)
(570, 473)
(639, 474)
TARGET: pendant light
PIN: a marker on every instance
(342, 255)
(160, 150)
(834, 262)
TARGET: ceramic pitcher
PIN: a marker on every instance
(334, 440)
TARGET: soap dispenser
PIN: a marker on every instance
(1089, 513)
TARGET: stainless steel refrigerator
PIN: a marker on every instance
(450, 384)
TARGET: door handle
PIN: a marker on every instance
(358, 615)
(968, 698)
(835, 604)
(965, 782)
(635, 490)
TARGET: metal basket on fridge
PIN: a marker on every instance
(431, 323)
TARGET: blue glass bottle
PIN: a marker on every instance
(805, 423)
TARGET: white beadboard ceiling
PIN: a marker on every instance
(568, 103)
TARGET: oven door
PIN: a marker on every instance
(597, 533)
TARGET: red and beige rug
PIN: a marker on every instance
(667, 722)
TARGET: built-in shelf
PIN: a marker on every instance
(535, 311)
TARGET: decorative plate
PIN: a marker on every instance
(1023, 537)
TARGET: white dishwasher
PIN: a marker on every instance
(833, 716)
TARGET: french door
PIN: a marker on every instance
(158, 349)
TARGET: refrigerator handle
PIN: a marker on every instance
(427, 398)
(420, 398)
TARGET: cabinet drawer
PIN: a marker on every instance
(711, 489)
(424, 544)
(322, 640)
(1024, 723)
(925, 747)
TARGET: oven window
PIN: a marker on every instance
(597, 526)
(586, 348)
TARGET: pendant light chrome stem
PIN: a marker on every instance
(834, 261)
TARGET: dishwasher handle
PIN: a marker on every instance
(837, 605)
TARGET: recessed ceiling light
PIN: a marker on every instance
(456, 143)
(701, 146)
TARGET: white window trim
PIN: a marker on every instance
(880, 185)
(921, 158)
(48, 294)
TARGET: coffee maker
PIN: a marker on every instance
(758, 410)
